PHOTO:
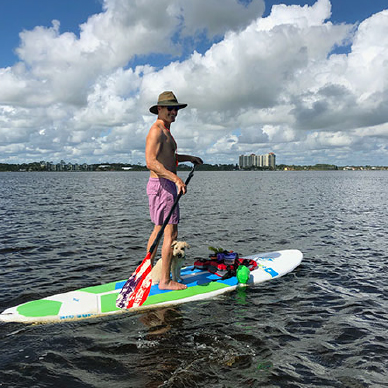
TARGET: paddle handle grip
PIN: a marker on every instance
(160, 234)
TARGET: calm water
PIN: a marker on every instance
(325, 324)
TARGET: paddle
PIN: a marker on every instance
(136, 289)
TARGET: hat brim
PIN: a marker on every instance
(154, 109)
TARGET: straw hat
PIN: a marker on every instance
(166, 99)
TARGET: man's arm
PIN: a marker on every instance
(189, 158)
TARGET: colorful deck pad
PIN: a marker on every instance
(101, 300)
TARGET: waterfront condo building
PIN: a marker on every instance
(248, 161)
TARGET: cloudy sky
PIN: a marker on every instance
(307, 80)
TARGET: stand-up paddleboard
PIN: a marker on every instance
(101, 300)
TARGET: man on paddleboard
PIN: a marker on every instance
(164, 184)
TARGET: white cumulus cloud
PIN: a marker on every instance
(253, 84)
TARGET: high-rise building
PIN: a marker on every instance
(252, 160)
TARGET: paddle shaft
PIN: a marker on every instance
(160, 234)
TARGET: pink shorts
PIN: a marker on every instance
(161, 196)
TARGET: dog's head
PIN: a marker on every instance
(178, 248)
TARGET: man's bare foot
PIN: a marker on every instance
(171, 285)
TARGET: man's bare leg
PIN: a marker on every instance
(170, 234)
(151, 241)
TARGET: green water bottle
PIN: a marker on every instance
(243, 274)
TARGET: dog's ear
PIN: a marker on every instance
(174, 243)
(187, 245)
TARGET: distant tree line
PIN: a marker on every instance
(20, 167)
(36, 166)
(209, 167)
(318, 167)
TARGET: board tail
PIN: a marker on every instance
(137, 288)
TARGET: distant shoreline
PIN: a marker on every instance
(68, 167)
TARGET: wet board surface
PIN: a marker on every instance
(101, 299)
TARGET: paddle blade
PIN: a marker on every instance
(137, 287)
(141, 293)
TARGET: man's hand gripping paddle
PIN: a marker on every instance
(135, 291)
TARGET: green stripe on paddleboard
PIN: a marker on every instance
(39, 308)
(100, 289)
(182, 294)
(108, 302)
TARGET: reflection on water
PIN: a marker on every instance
(324, 324)
(159, 321)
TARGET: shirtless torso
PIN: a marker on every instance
(165, 147)
(161, 155)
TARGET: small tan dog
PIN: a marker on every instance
(178, 257)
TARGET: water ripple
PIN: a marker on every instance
(324, 324)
